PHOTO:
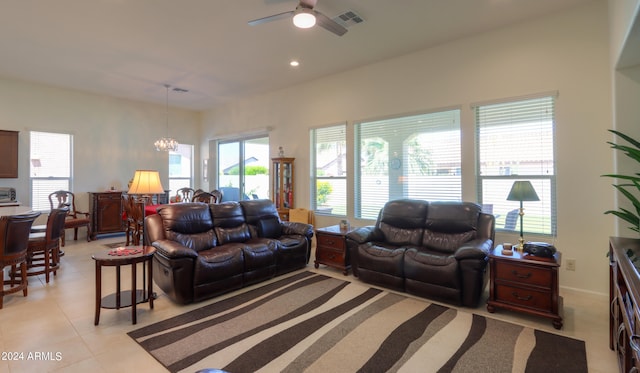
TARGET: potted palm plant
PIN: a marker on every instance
(629, 186)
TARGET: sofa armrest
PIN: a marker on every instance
(365, 234)
(172, 249)
(474, 249)
(302, 229)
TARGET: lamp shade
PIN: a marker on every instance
(522, 191)
(146, 182)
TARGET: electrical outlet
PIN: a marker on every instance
(571, 264)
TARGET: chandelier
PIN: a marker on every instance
(166, 144)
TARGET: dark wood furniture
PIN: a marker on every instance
(9, 154)
(282, 187)
(525, 283)
(331, 248)
(128, 298)
(105, 209)
(14, 235)
(624, 294)
(75, 218)
(43, 251)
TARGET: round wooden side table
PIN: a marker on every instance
(128, 298)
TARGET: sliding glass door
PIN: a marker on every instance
(243, 169)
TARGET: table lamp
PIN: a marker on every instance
(146, 183)
(522, 191)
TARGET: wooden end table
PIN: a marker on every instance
(128, 298)
(525, 283)
(331, 248)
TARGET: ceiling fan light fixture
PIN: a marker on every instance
(304, 18)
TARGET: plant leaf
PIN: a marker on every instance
(627, 138)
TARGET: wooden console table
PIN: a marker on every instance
(624, 294)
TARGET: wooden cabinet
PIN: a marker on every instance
(331, 248)
(282, 188)
(9, 154)
(525, 283)
(624, 293)
(105, 209)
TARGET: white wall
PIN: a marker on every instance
(567, 52)
(112, 137)
(624, 17)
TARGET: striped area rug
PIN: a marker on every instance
(314, 323)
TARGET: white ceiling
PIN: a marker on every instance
(131, 48)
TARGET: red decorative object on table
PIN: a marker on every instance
(123, 251)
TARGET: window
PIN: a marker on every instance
(515, 142)
(329, 170)
(248, 179)
(50, 166)
(180, 168)
(407, 157)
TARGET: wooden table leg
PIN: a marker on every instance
(150, 283)
(134, 293)
(98, 293)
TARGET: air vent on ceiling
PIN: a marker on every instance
(348, 19)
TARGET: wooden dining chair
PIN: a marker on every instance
(75, 219)
(43, 248)
(14, 237)
(134, 211)
(185, 194)
(218, 194)
(205, 197)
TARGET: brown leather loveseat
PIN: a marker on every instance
(436, 250)
(203, 250)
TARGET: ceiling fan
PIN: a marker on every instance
(304, 16)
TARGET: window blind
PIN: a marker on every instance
(50, 166)
(415, 156)
(329, 165)
(515, 141)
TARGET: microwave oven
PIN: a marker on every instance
(7, 195)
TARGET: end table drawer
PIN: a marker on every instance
(524, 274)
(330, 241)
(331, 256)
(529, 298)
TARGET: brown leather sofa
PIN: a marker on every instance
(203, 250)
(436, 250)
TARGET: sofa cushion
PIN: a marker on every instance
(449, 225)
(432, 268)
(269, 227)
(186, 218)
(381, 258)
(232, 234)
(258, 209)
(219, 263)
(402, 222)
(195, 241)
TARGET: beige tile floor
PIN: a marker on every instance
(51, 330)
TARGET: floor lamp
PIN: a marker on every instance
(522, 191)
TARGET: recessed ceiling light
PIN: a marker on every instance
(294, 63)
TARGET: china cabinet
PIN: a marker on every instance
(282, 185)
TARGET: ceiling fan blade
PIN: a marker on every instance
(274, 17)
(329, 24)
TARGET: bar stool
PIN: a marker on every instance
(14, 235)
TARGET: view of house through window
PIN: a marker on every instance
(414, 156)
(515, 142)
(329, 155)
(180, 168)
(243, 169)
(50, 166)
